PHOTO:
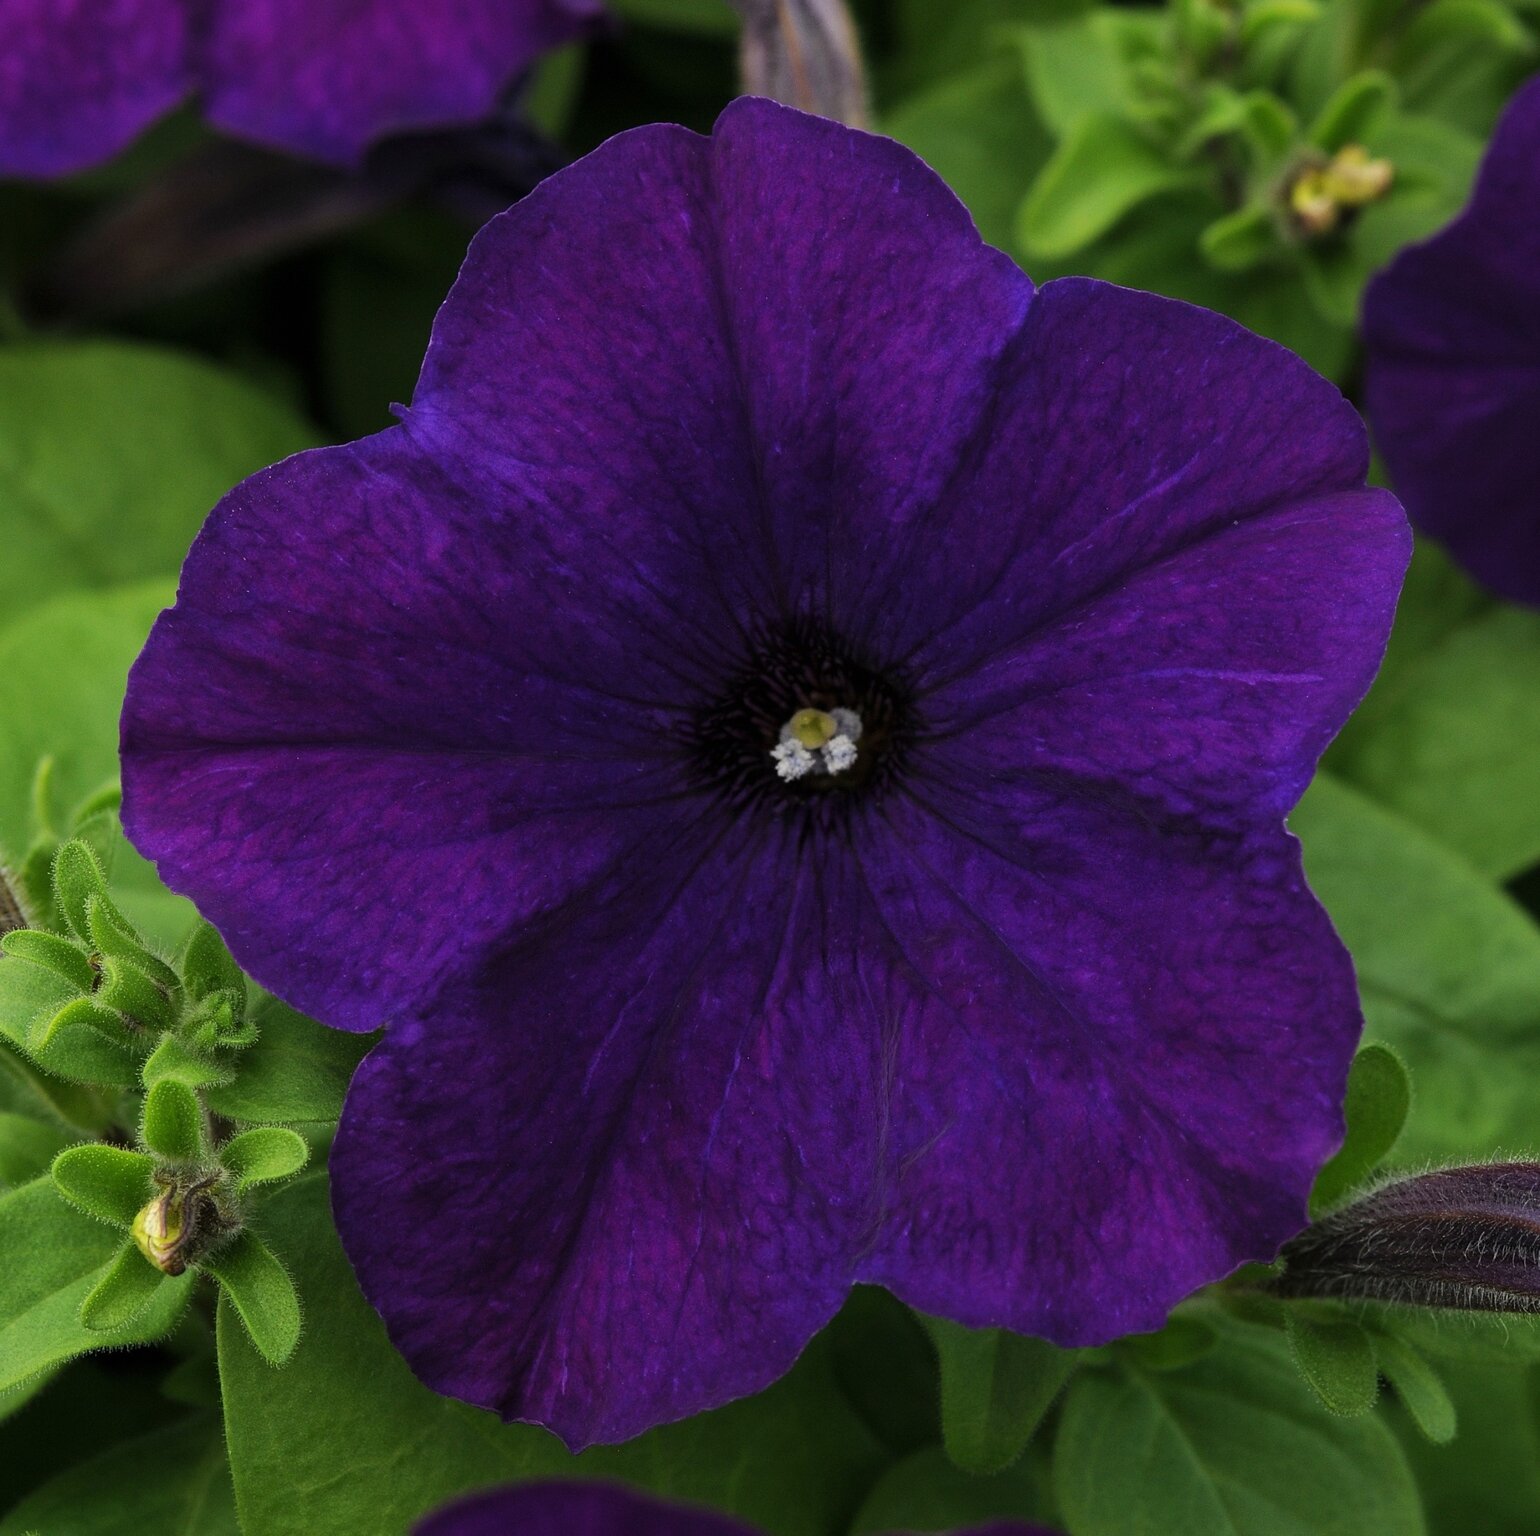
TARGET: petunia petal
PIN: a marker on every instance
(429, 766)
(1121, 1066)
(692, 368)
(328, 80)
(1452, 340)
(80, 79)
(621, 1176)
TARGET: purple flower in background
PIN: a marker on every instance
(585, 1509)
(80, 79)
(795, 727)
(1452, 330)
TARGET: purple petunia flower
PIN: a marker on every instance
(1452, 331)
(588, 1509)
(80, 79)
(796, 727)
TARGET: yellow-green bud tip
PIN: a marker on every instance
(158, 1231)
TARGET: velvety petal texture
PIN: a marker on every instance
(1452, 336)
(585, 1509)
(79, 79)
(1019, 1005)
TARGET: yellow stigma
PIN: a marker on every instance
(158, 1230)
(813, 728)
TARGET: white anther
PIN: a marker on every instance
(793, 760)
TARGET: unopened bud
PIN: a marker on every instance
(1464, 1238)
(807, 54)
(1322, 194)
(181, 1223)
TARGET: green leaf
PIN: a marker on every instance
(1236, 1445)
(979, 133)
(1336, 1356)
(266, 1155)
(1183, 1340)
(1101, 171)
(32, 1000)
(995, 1388)
(345, 1440)
(1448, 966)
(1354, 111)
(175, 1061)
(64, 957)
(172, 1482)
(259, 1288)
(110, 1183)
(927, 1492)
(78, 878)
(1379, 1098)
(1448, 41)
(1075, 68)
(297, 1071)
(55, 1257)
(1450, 736)
(1240, 240)
(128, 1287)
(111, 455)
(1487, 1482)
(1417, 1386)
(173, 1123)
(62, 673)
(207, 966)
(27, 1147)
(885, 1364)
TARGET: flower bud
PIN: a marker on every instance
(1465, 1238)
(181, 1223)
(805, 53)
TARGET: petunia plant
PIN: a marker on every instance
(851, 880)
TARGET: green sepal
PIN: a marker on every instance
(64, 957)
(1358, 104)
(207, 966)
(1442, 35)
(77, 878)
(173, 1059)
(1418, 1386)
(267, 1154)
(122, 1293)
(1201, 29)
(1379, 1098)
(1268, 16)
(1239, 240)
(128, 990)
(1336, 1357)
(258, 1287)
(110, 1183)
(173, 1124)
(114, 935)
(995, 1389)
(1271, 127)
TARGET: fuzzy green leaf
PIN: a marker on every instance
(1353, 113)
(27, 1147)
(995, 1388)
(54, 1258)
(1336, 1356)
(174, 1060)
(128, 1287)
(207, 966)
(64, 957)
(110, 1183)
(260, 1290)
(78, 877)
(297, 1071)
(173, 1124)
(1418, 1387)
(1379, 1098)
(267, 1155)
